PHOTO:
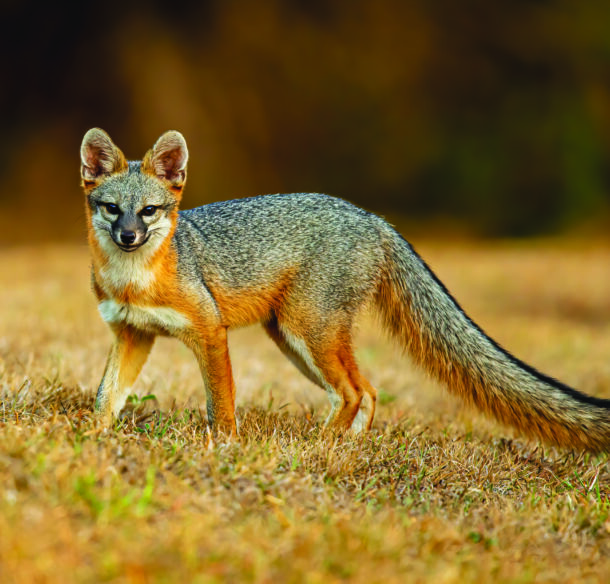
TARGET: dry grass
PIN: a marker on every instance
(434, 494)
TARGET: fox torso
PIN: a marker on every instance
(252, 254)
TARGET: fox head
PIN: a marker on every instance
(132, 206)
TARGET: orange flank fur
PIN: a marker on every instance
(249, 306)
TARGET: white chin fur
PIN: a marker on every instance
(130, 268)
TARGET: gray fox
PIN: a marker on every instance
(303, 265)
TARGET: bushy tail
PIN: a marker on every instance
(431, 326)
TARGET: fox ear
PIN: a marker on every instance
(99, 157)
(167, 159)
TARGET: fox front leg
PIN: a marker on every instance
(125, 360)
(212, 352)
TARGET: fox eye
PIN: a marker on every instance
(112, 208)
(148, 211)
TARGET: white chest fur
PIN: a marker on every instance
(127, 270)
(157, 319)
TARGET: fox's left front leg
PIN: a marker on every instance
(212, 352)
(127, 356)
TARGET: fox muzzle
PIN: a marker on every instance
(129, 232)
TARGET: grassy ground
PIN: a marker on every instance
(435, 493)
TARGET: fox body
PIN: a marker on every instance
(303, 265)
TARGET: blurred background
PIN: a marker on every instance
(487, 118)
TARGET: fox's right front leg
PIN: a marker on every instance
(127, 356)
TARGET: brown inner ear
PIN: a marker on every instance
(101, 160)
(97, 163)
(166, 166)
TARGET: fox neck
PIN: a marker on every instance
(139, 277)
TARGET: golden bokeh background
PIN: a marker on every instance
(486, 117)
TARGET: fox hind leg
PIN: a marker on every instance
(331, 365)
(366, 412)
(355, 407)
(303, 363)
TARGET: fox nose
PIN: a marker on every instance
(128, 237)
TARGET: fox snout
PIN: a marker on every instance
(129, 232)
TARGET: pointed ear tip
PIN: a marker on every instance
(175, 133)
(173, 136)
(95, 135)
(95, 131)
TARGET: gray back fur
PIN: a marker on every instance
(335, 247)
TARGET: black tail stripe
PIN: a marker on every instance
(566, 389)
